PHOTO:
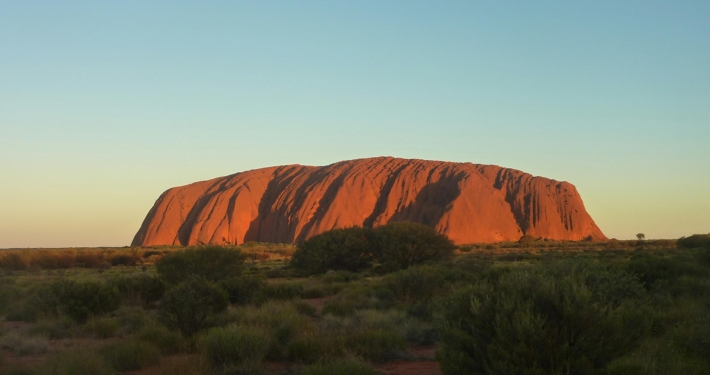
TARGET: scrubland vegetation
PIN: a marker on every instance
(355, 301)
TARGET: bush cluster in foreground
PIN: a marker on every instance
(391, 247)
(611, 311)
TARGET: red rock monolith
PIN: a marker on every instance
(468, 202)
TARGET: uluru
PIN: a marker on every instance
(471, 203)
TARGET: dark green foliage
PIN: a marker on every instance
(560, 320)
(315, 348)
(212, 263)
(189, 306)
(694, 241)
(527, 240)
(123, 260)
(78, 300)
(243, 289)
(101, 327)
(236, 349)
(377, 345)
(420, 283)
(394, 246)
(169, 342)
(145, 288)
(349, 249)
(283, 291)
(654, 268)
(130, 355)
(404, 244)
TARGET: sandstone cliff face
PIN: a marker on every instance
(468, 202)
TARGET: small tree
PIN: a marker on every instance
(640, 236)
(349, 249)
(404, 244)
(212, 263)
(527, 240)
(189, 306)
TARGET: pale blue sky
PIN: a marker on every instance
(104, 105)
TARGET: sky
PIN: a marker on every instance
(105, 105)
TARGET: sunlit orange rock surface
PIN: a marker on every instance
(468, 202)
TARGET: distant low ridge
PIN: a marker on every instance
(468, 202)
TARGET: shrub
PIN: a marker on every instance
(243, 289)
(694, 241)
(130, 355)
(76, 362)
(56, 328)
(348, 249)
(78, 300)
(314, 348)
(653, 268)
(212, 263)
(123, 260)
(22, 345)
(375, 344)
(189, 306)
(339, 367)
(169, 342)
(236, 348)
(101, 327)
(421, 283)
(404, 244)
(283, 291)
(340, 307)
(146, 289)
(551, 321)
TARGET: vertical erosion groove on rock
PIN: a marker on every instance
(468, 202)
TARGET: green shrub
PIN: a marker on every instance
(169, 342)
(375, 344)
(404, 244)
(22, 345)
(694, 241)
(101, 327)
(212, 263)
(236, 348)
(339, 367)
(314, 348)
(654, 268)
(394, 246)
(421, 283)
(78, 300)
(75, 362)
(243, 289)
(146, 289)
(304, 308)
(132, 318)
(555, 320)
(281, 319)
(283, 291)
(340, 307)
(130, 355)
(348, 249)
(56, 328)
(189, 306)
(341, 276)
(314, 293)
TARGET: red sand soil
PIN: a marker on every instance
(468, 202)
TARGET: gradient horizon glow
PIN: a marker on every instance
(104, 105)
